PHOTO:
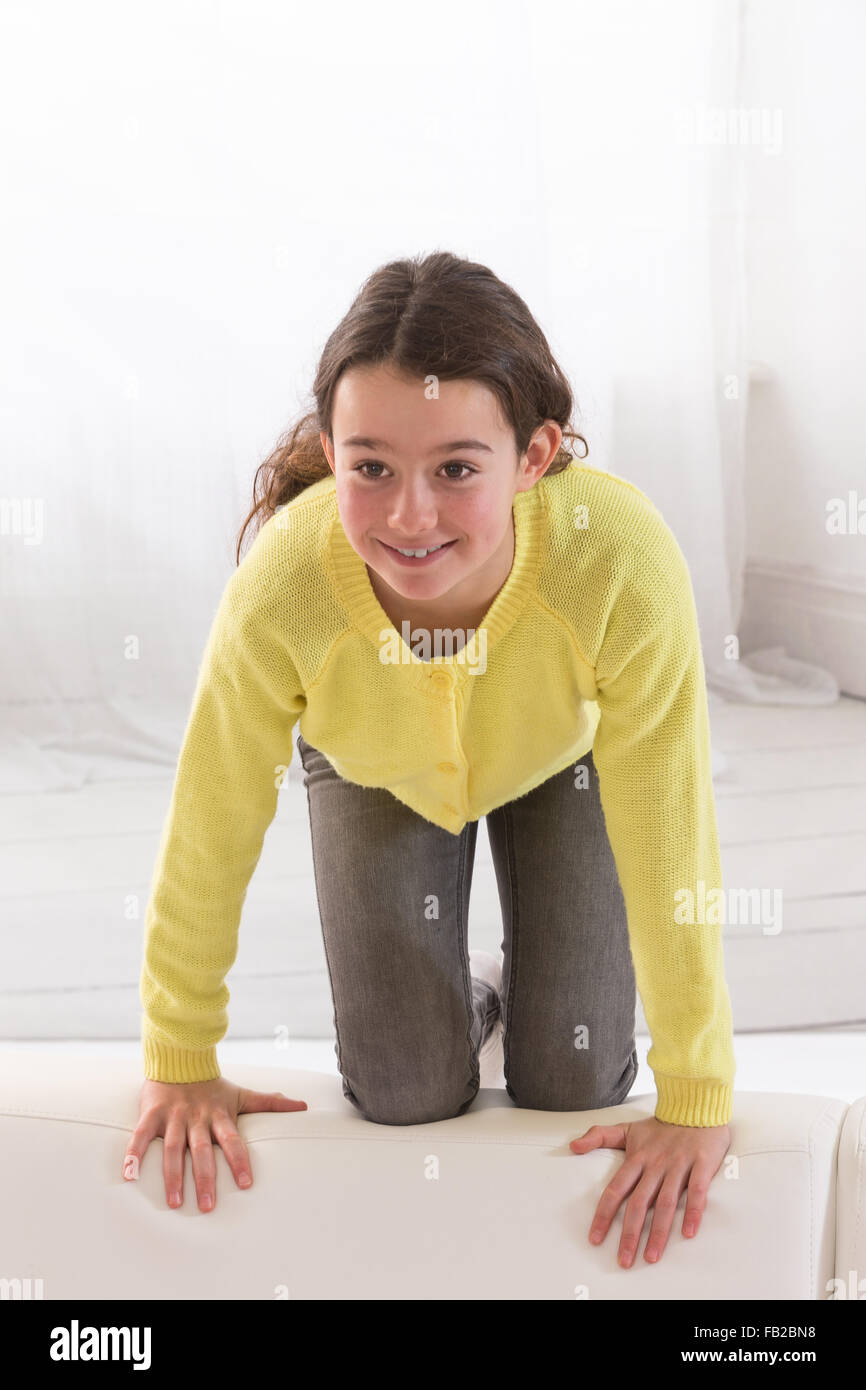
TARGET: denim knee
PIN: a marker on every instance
(580, 1091)
(419, 1107)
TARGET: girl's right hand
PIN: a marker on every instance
(188, 1113)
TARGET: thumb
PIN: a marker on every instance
(253, 1102)
(600, 1137)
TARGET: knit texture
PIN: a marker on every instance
(591, 643)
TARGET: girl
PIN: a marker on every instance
(467, 621)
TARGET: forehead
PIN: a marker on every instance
(376, 402)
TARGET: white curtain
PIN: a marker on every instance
(651, 139)
(190, 208)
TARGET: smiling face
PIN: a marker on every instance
(431, 472)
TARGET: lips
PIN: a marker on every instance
(437, 545)
(431, 549)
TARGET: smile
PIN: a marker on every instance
(418, 556)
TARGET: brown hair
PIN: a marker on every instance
(434, 315)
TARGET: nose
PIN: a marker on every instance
(413, 510)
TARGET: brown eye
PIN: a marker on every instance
(456, 464)
(452, 478)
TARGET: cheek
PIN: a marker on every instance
(474, 514)
(479, 519)
(359, 513)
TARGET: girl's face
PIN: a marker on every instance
(432, 470)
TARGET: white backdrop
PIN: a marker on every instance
(194, 192)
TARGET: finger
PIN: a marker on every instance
(663, 1214)
(696, 1198)
(253, 1102)
(600, 1137)
(234, 1148)
(146, 1130)
(173, 1155)
(635, 1214)
(203, 1164)
(615, 1192)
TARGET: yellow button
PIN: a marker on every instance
(447, 767)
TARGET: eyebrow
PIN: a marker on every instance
(362, 441)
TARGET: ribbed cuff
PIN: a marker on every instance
(700, 1103)
(178, 1064)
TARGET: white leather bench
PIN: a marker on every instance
(490, 1205)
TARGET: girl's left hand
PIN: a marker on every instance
(661, 1159)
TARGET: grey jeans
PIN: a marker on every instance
(393, 896)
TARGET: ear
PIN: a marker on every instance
(328, 449)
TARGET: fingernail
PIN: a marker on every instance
(174, 1199)
(244, 1180)
(206, 1202)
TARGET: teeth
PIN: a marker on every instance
(419, 554)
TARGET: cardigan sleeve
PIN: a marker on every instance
(236, 749)
(653, 757)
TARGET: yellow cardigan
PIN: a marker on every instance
(592, 642)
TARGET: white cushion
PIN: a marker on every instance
(490, 1205)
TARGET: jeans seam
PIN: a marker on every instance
(319, 909)
(513, 932)
(474, 1068)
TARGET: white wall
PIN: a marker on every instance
(806, 298)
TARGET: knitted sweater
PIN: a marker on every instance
(591, 643)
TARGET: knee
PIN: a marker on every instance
(577, 1090)
(411, 1107)
(561, 1098)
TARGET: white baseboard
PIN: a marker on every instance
(816, 615)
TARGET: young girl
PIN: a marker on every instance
(466, 621)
